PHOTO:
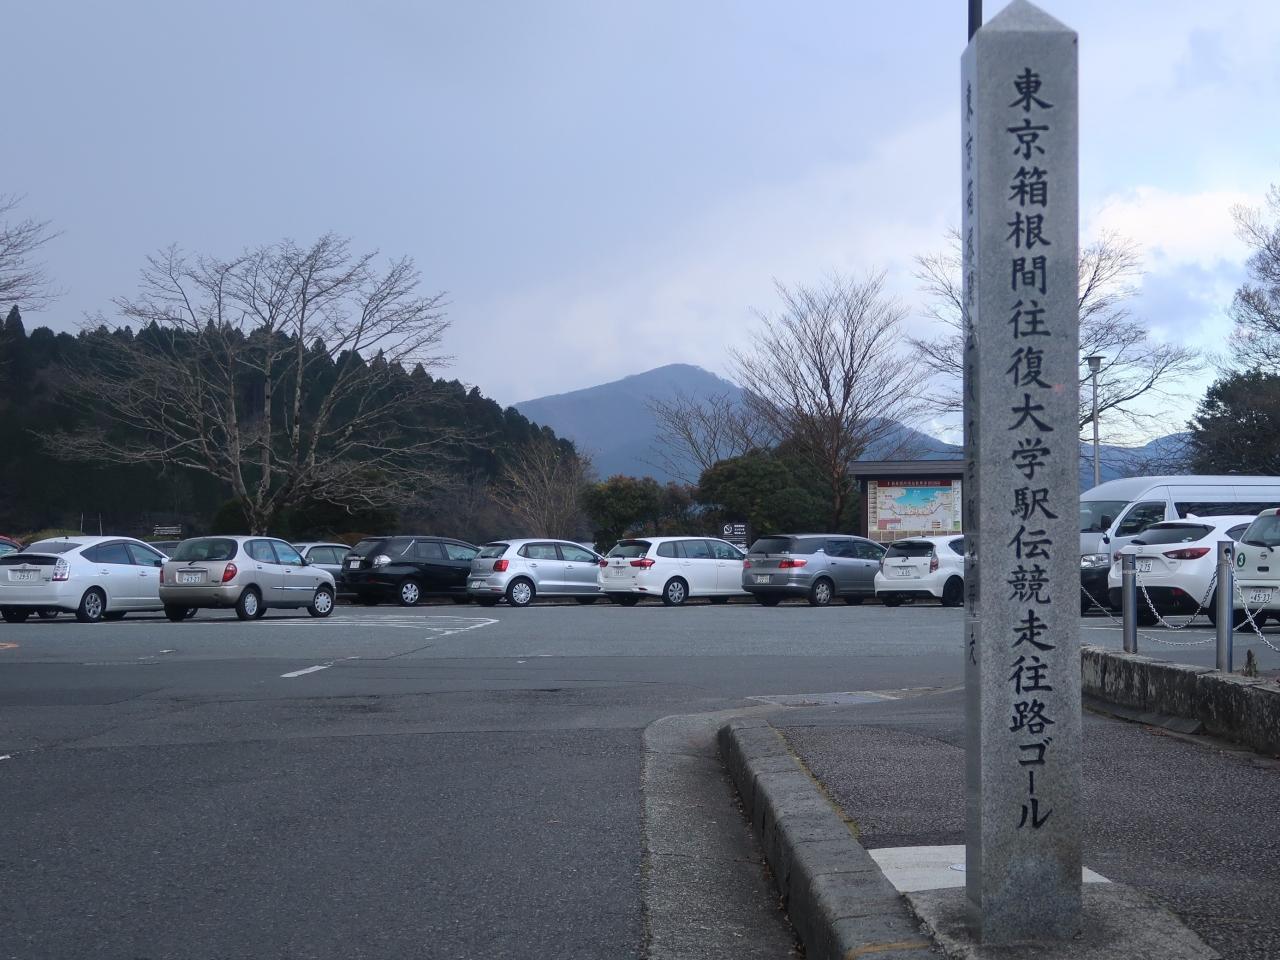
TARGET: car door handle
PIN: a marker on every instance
(259, 566)
(142, 573)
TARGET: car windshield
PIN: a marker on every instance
(491, 550)
(909, 548)
(1172, 533)
(1097, 515)
(629, 549)
(1264, 532)
(52, 546)
(205, 549)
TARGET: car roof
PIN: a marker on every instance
(1218, 520)
(1127, 488)
(308, 544)
(947, 538)
(687, 536)
(518, 541)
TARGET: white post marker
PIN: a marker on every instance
(1021, 402)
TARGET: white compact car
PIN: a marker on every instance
(522, 570)
(672, 569)
(1175, 561)
(921, 568)
(96, 578)
(1257, 570)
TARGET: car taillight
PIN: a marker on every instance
(500, 566)
(1187, 553)
(61, 570)
(604, 563)
(643, 563)
(745, 564)
(790, 564)
(933, 562)
(229, 572)
(162, 574)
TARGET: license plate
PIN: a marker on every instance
(191, 578)
(762, 578)
(1259, 596)
(352, 564)
(477, 582)
(24, 575)
(1144, 566)
(617, 572)
(905, 571)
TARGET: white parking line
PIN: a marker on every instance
(299, 673)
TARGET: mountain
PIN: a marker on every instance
(612, 422)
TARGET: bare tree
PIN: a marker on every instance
(1134, 366)
(828, 374)
(696, 433)
(541, 488)
(22, 280)
(1255, 343)
(283, 372)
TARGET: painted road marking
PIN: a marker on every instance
(8, 646)
(300, 673)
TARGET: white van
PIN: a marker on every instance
(1113, 513)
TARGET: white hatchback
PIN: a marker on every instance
(920, 568)
(672, 569)
(96, 578)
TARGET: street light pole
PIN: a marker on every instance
(975, 17)
(1095, 364)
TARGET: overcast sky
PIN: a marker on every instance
(606, 187)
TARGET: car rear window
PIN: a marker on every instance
(491, 550)
(205, 549)
(1173, 533)
(52, 546)
(766, 545)
(630, 549)
(25, 560)
(909, 548)
(391, 546)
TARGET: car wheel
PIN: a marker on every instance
(953, 592)
(92, 606)
(176, 613)
(14, 615)
(410, 593)
(520, 592)
(586, 601)
(820, 592)
(890, 602)
(1238, 621)
(768, 601)
(113, 615)
(853, 601)
(47, 613)
(675, 593)
(321, 603)
(624, 600)
(249, 606)
(191, 612)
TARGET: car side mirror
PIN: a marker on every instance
(306, 562)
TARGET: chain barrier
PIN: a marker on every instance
(1248, 616)
(1141, 636)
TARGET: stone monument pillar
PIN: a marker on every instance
(1021, 402)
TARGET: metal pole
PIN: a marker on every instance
(1097, 466)
(975, 17)
(1225, 607)
(1129, 601)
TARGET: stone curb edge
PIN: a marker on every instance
(840, 903)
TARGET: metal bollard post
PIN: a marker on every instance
(1225, 604)
(1129, 601)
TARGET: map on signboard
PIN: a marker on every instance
(916, 507)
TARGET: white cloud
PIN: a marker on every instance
(1174, 228)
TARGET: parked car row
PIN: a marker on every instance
(106, 578)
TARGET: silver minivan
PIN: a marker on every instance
(248, 574)
(819, 567)
(523, 570)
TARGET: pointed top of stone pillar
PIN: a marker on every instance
(1022, 16)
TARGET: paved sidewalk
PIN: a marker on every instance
(1194, 827)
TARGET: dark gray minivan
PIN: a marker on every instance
(816, 566)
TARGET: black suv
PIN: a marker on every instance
(406, 569)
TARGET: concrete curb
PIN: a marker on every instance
(1244, 710)
(841, 904)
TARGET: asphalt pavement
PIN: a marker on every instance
(437, 782)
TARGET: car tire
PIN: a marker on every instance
(114, 615)
(853, 601)
(47, 613)
(249, 604)
(1238, 621)
(675, 593)
(322, 603)
(520, 592)
(625, 601)
(768, 601)
(890, 602)
(191, 612)
(409, 593)
(14, 615)
(92, 606)
(586, 601)
(953, 592)
(175, 613)
(821, 592)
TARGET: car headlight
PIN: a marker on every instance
(1095, 560)
(381, 560)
